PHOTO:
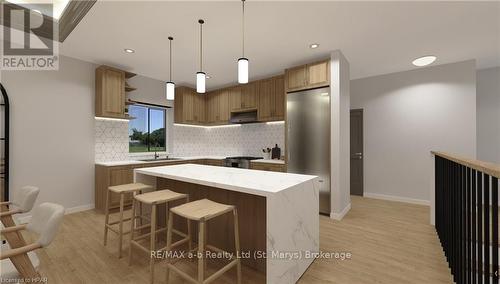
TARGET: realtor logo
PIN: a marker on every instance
(29, 38)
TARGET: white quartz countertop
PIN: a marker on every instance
(267, 161)
(137, 162)
(256, 182)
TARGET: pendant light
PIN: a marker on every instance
(243, 62)
(170, 84)
(200, 75)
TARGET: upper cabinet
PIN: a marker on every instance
(189, 106)
(308, 76)
(217, 107)
(243, 97)
(271, 99)
(110, 88)
(266, 96)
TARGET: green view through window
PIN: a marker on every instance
(147, 130)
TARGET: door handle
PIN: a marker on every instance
(358, 154)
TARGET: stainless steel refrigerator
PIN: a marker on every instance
(308, 134)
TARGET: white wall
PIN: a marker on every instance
(408, 114)
(52, 132)
(339, 133)
(488, 115)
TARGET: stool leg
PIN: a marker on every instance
(237, 244)
(106, 218)
(120, 230)
(190, 239)
(201, 246)
(132, 228)
(153, 240)
(169, 242)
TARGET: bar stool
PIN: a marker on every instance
(202, 211)
(154, 199)
(123, 189)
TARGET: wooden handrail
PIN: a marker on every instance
(485, 167)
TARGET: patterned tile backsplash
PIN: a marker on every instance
(246, 139)
(111, 140)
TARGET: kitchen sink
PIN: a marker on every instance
(159, 159)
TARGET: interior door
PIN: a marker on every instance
(356, 143)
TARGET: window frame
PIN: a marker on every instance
(149, 107)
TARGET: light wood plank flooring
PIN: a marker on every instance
(390, 242)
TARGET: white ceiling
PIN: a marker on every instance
(376, 37)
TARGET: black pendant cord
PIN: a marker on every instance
(243, 28)
(170, 60)
(5, 140)
(201, 43)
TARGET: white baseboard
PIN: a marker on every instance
(396, 198)
(26, 218)
(339, 216)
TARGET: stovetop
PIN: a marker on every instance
(245, 158)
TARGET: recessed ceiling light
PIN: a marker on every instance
(314, 45)
(129, 50)
(424, 60)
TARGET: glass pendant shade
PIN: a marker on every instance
(170, 91)
(243, 70)
(200, 82)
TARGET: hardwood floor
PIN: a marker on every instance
(390, 242)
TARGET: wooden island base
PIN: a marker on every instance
(251, 218)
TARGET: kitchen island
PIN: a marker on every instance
(278, 213)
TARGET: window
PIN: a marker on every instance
(147, 130)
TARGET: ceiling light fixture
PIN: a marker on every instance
(129, 50)
(200, 75)
(243, 61)
(314, 45)
(207, 76)
(170, 86)
(424, 60)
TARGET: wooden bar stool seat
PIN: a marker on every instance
(154, 199)
(202, 211)
(122, 190)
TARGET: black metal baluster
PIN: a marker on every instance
(474, 216)
(494, 222)
(486, 243)
(479, 227)
(469, 228)
(463, 209)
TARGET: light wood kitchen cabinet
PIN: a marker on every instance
(217, 107)
(271, 99)
(189, 106)
(243, 97)
(224, 113)
(308, 76)
(212, 107)
(249, 95)
(110, 87)
(268, 167)
(235, 98)
(296, 78)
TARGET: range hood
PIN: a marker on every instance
(243, 117)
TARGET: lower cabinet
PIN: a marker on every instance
(268, 167)
(106, 176)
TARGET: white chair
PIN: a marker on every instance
(45, 221)
(22, 201)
